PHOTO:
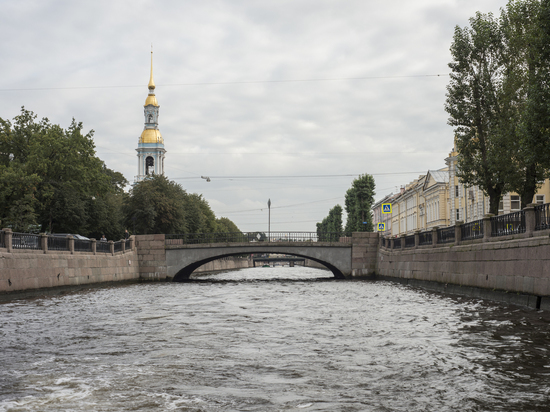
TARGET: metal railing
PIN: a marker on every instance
(509, 224)
(409, 241)
(446, 234)
(425, 238)
(472, 230)
(542, 216)
(58, 243)
(248, 237)
(25, 241)
(118, 246)
(2, 239)
(127, 244)
(102, 247)
(82, 245)
(397, 243)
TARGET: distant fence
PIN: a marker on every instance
(13, 241)
(527, 221)
(247, 237)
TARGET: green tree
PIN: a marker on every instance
(48, 174)
(225, 225)
(474, 103)
(526, 29)
(156, 205)
(330, 228)
(358, 204)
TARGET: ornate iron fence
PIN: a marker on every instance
(542, 217)
(425, 238)
(472, 230)
(25, 241)
(409, 241)
(509, 224)
(446, 234)
(127, 244)
(247, 237)
(397, 243)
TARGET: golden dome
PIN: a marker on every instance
(151, 136)
(151, 99)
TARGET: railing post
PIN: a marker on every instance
(434, 236)
(94, 246)
(123, 244)
(44, 242)
(71, 244)
(402, 236)
(458, 232)
(132, 242)
(8, 239)
(392, 243)
(112, 247)
(416, 238)
(487, 229)
(530, 220)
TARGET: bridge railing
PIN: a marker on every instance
(252, 237)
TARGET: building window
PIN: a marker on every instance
(515, 203)
(149, 165)
(539, 199)
(501, 206)
(457, 214)
(456, 191)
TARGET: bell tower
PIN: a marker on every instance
(150, 151)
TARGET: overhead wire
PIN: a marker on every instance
(228, 83)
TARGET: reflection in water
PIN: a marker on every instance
(269, 339)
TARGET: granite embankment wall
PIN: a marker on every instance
(33, 269)
(514, 270)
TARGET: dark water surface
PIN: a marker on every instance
(271, 339)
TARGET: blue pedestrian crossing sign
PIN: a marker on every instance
(386, 207)
(381, 227)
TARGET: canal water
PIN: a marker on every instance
(271, 339)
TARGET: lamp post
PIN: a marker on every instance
(269, 220)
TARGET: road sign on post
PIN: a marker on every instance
(386, 207)
(381, 227)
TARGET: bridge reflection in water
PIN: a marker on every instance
(187, 252)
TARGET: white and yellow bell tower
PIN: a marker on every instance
(150, 149)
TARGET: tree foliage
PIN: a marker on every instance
(159, 205)
(51, 180)
(498, 100)
(526, 30)
(358, 203)
(474, 104)
(331, 228)
(49, 176)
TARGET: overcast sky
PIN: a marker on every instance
(286, 100)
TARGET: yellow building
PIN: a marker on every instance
(468, 203)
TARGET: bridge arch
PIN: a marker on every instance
(182, 260)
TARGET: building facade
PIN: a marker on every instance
(150, 151)
(440, 199)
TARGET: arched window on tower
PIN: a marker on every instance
(150, 118)
(149, 165)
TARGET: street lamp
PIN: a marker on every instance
(269, 220)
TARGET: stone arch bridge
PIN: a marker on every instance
(172, 257)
